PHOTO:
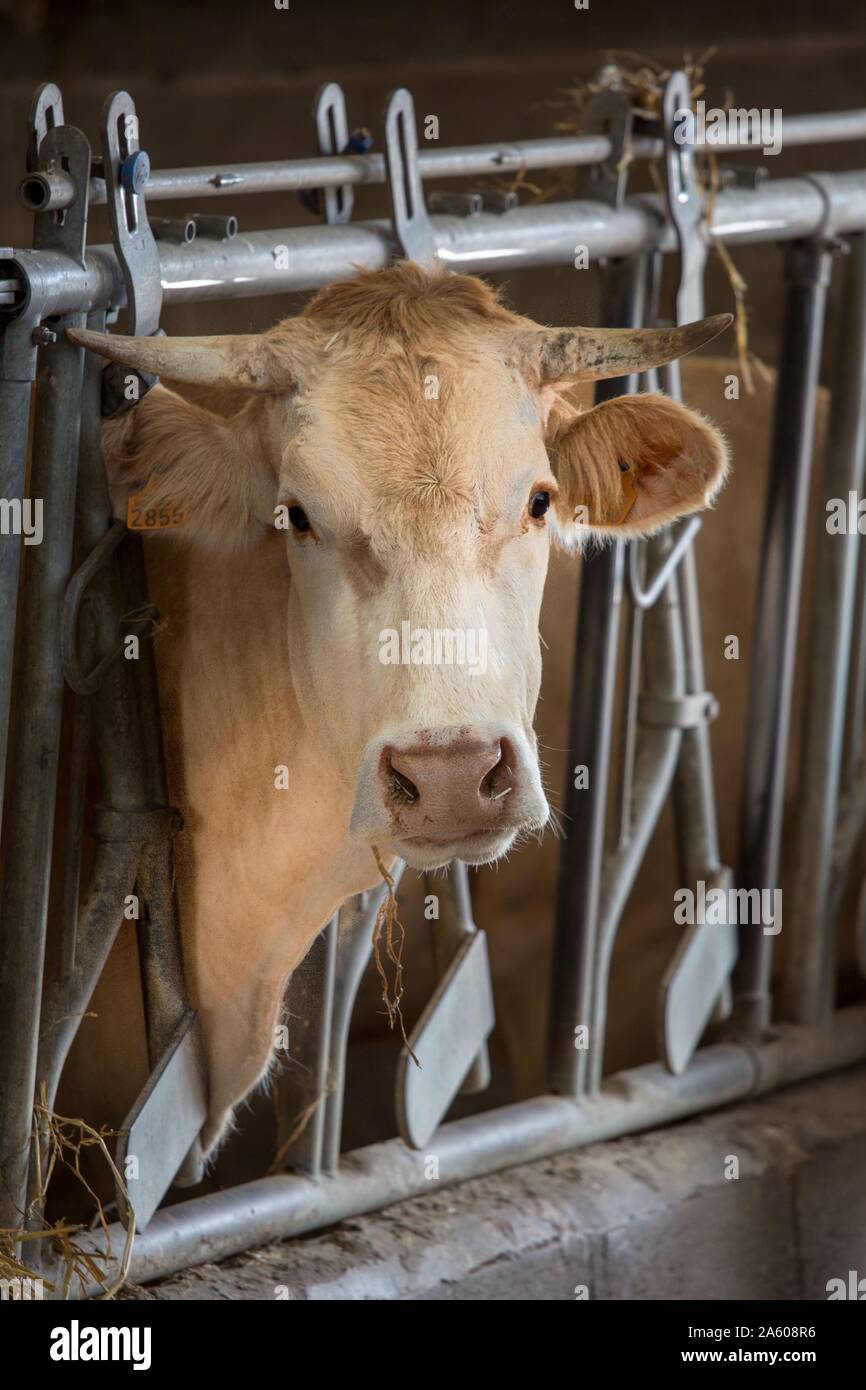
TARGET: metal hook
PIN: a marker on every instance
(413, 230)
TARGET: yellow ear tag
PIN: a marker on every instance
(140, 517)
(630, 494)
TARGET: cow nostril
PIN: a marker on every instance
(402, 788)
(498, 782)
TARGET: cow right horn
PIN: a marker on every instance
(251, 361)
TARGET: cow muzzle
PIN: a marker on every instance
(443, 794)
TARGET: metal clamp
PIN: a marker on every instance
(332, 128)
(684, 202)
(413, 231)
(677, 711)
(126, 166)
(45, 113)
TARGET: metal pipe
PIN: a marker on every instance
(807, 275)
(14, 420)
(656, 758)
(301, 258)
(46, 192)
(808, 976)
(553, 152)
(579, 887)
(226, 1223)
(33, 754)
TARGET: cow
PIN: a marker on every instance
(400, 453)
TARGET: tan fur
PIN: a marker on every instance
(418, 500)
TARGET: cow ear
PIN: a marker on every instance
(632, 465)
(173, 466)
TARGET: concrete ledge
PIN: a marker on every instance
(650, 1217)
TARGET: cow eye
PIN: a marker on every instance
(299, 519)
(538, 504)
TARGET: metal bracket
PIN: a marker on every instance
(164, 1123)
(332, 128)
(684, 203)
(694, 981)
(446, 1040)
(45, 113)
(62, 230)
(413, 231)
(677, 711)
(126, 167)
(65, 229)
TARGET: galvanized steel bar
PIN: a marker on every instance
(14, 419)
(573, 975)
(656, 755)
(302, 258)
(807, 275)
(553, 152)
(811, 920)
(226, 1223)
(32, 775)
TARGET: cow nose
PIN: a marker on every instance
(443, 791)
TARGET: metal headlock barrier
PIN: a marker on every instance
(61, 610)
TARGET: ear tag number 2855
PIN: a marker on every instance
(140, 517)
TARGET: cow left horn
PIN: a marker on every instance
(589, 354)
(241, 360)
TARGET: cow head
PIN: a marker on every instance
(408, 440)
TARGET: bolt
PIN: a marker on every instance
(43, 337)
(134, 171)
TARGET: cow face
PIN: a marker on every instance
(408, 441)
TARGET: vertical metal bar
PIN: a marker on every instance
(14, 420)
(656, 761)
(33, 762)
(807, 275)
(807, 987)
(855, 717)
(694, 797)
(302, 1091)
(628, 735)
(589, 743)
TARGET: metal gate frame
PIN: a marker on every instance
(88, 572)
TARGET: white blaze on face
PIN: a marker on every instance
(414, 612)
